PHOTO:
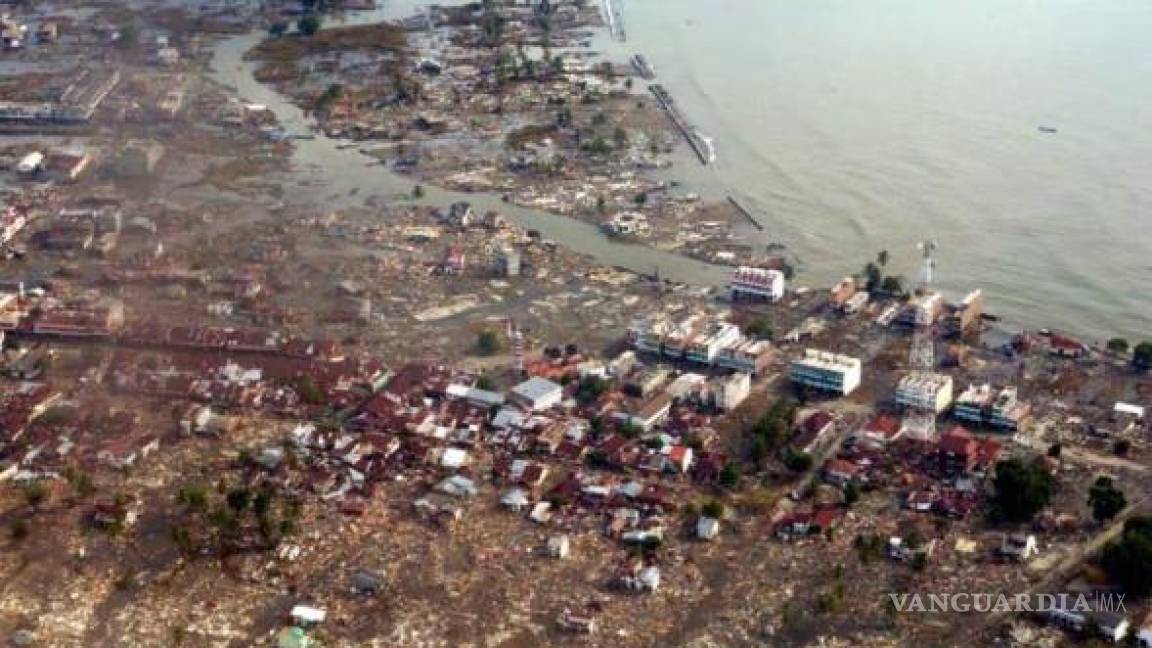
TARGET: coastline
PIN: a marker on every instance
(1004, 325)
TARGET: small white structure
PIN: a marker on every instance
(307, 615)
(1019, 547)
(454, 458)
(515, 500)
(559, 546)
(31, 163)
(707, 528)
(756, 283)
(649, 579)
(458, 486)
(538, 394)
(1128, 409)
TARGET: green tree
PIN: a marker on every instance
(82, 483)
(1142, 356)
(729, 476)
(892, 285)
(797, 461)
(882, 258)
(1105, 499)
(484, 381)
(713, 509)
(129, 37)
(1128, 559)
(620, 138)
(590, 389)
(872, 277)
(487, 343)
(308, 25)
(35, 494)
(334, 92)
(239, 499)
(1117, 345)
(851, 493)
(418, 192)
(630, 430)
(18, 529)
(194, 497)
(760, 328)
(1020, 489)
(1121, 447)
(564, 117)
(309, 391)
(278, 29)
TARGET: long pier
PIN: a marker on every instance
(700, 146)
(642, 67)
(615, 21)
(747, 214)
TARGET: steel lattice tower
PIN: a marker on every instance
(920, 422)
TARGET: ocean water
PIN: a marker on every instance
(852, 126)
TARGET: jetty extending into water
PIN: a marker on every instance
(701, 146)
(642, 67)
(614, 19)
(744, 212)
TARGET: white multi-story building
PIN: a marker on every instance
(827, 371)
(701, 340)
(925, 391)
(986, 405)
(756, 283)
(731, 391)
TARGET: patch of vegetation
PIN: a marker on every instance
(1128, 559)
(232, 519)
(1105, 499)
(488, 343)
(531, 134)
(375, 38)
(1020, 490)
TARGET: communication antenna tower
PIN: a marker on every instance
(920, 421)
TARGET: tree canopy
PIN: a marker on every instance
(1020, 490)
(1142, 356)
(1105, 499)
(308, 25)
(1128, 559)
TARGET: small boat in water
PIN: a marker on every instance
(1048, 129)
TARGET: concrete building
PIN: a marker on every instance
(729, 392)
(538, 394)
(925, 391)
(756, 284)
(842, 292)
(967, 314)
(827, 371)
(701, 340)
(997, 408)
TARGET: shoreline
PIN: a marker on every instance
(1004, 326)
